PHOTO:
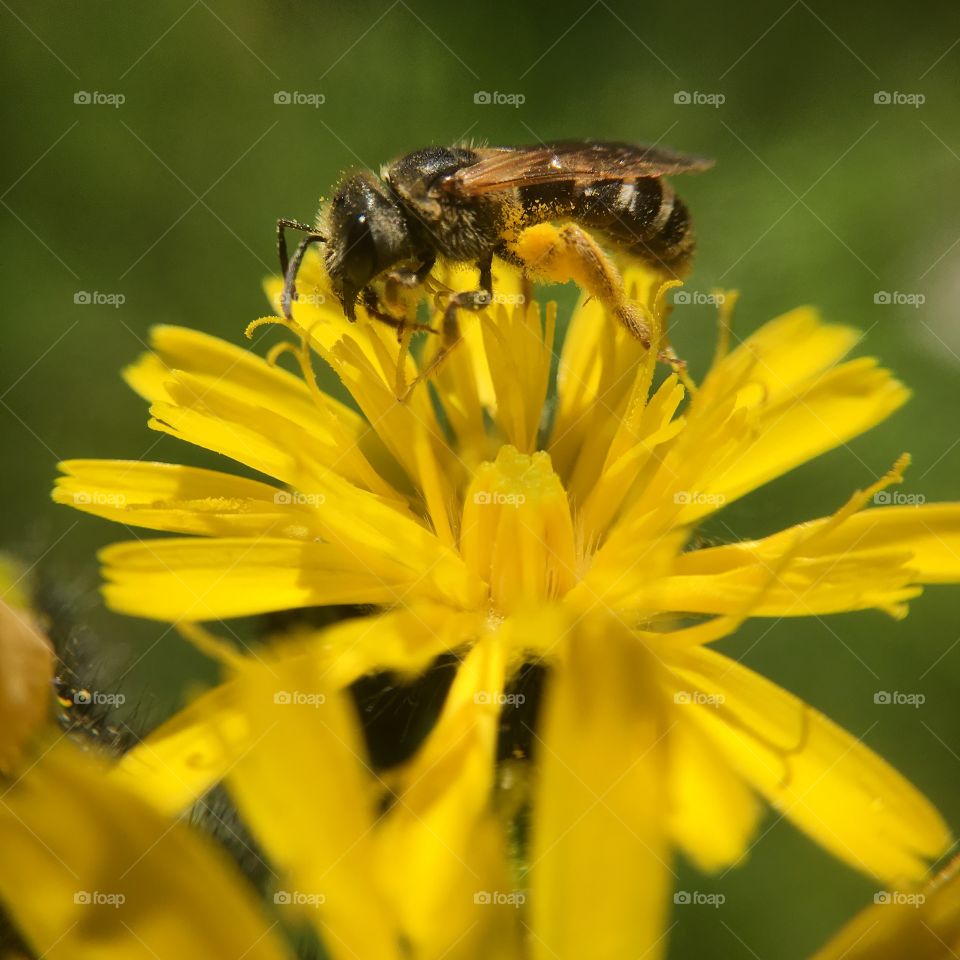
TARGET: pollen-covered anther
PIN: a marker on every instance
(517, 532)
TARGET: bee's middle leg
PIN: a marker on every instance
(450, 332)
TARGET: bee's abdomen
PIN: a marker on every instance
(644, 217)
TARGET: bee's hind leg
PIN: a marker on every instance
(570, 253)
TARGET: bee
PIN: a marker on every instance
(470, 204)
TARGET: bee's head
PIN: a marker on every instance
(367, 234)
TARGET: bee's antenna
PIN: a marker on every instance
(289, 267)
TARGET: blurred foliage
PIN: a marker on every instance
(819, 195)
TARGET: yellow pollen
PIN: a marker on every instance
(517, 533)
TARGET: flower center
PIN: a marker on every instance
(517, 533)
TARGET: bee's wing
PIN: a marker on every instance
(582, 160)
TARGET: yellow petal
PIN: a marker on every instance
(442, 853)
(712, 813)
(772, 404)
(929, 533)
(519, 357)
(779, 357)
(921, 925)
(244, 428)
(89, 871)
(464, 382)
(818, 416)
(178, 762)
(827, 782)
(599, 836)
(304, 788)
(166, 496)
(183, 758)
(595, 377)
(214, 579)
(232, 383)
(366, 360)
(871, 558)
(631, 454)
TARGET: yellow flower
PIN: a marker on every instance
(89, 871)
(920, 924)
(492, 519)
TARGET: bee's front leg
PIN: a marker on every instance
(372, 305)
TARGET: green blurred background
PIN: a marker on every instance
(819, 195)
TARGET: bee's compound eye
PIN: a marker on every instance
(360, 252)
